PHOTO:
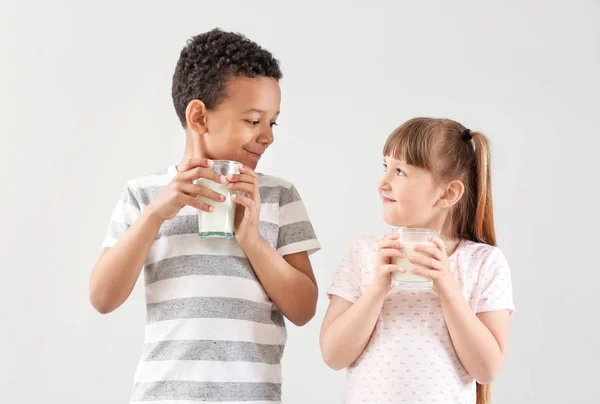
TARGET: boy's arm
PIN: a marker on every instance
(289, 280)
(118, 269)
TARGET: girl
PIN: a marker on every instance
(425, 346)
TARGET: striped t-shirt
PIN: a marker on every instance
(212, 333)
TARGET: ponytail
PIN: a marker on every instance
(483, 227)
(484, 394)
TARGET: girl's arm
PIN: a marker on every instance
(347, 327)
(480, 340)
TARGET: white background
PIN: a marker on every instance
(85, 105)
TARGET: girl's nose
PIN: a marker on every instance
(384, 184)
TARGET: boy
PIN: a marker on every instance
(215, 330)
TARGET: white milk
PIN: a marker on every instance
(218, 223)
(409, 251)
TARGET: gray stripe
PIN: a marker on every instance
(148, 194)
(295, 232)
(269, 231)
(270, 194)
(184, 390)
(223, 351)
(279, 194)
(130, 197)
(212, 307)
(288, 196)
(188, 224)
(189, 265)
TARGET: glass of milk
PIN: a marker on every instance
(410, 238)
(218, 223)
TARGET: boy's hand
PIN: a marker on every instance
(388, 247)
(182, 191)
(248, 208)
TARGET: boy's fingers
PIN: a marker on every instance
(201, 172)
(242, 200)
(195, 190)
(242, 178)
(195, 203)
(196, 162)
(246, 170)
(248, 189)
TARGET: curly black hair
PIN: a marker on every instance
(209, 60)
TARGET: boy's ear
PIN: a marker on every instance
(453, 191)
(195, 116)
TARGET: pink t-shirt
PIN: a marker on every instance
(410, 357)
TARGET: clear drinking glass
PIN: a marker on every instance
(218, 223)
(410, 238)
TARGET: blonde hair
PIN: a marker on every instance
(452, 152)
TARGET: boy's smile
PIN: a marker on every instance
(240, 127)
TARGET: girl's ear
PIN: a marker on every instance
(453, 191)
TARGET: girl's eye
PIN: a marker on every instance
(273, 124)
(384, 166)
(400, 172)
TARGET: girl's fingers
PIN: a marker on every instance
(428, 262)
(389, 268)
(430, 250)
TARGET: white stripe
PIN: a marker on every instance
(204, 402)
(207, 371)
(213, 329)
(125, 213)
(271, 181)
(187, 211)
(191, 244)
(311, 246)
(269, 212)
(109, 242)
(206, 286)
(157, 180)
(292, 213)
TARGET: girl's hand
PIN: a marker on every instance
(388, 248)
(435, 259)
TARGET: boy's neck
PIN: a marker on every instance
(193, 147)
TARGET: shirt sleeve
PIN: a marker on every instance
(126, 211)
(496, 292)
(348, 277)
(296, 233)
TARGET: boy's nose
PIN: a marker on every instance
(265, 138)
